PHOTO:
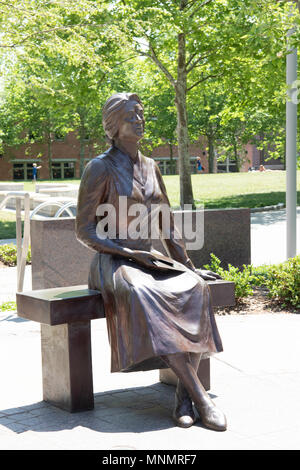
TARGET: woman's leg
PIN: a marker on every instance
(183, 412)
(210, 415)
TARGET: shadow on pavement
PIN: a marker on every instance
(270, 217)
(134, 410)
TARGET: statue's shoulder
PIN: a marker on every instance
(99, 163)
(148, 160)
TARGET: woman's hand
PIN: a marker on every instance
(147, 259)
(207, 275)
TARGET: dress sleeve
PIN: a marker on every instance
(93, 191)
(173, 241)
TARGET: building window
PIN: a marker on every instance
(227, 166)
(22, 171)
(56, 171)
(18, 171)
(69, 170)
(63, 170)
(169, 167)
(166, 166)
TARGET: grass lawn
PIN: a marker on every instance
(7, 225)
(225, 190)
(29, 185)
(216, 191)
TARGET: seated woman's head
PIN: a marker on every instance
(123, 117)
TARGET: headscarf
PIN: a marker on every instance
(112, 111)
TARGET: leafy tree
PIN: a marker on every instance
(189, 41)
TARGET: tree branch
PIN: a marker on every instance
(46, 31)
(190, 4)
(199, 7)
(190, 59)
(197, 61)
(202, 80)
(114, 67)
(155, 59)
(7, 4)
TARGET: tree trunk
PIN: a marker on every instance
(236, 156)
(171, 151)
(82, 142)
(172, 163)
(212, 162)
(81, 155)
(49, 146)
(186, 191)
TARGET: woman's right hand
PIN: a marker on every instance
(147, 259)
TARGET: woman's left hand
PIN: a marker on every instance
(207, 275)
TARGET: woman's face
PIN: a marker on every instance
(132, 122)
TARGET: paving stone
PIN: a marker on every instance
(5, 421)
(17, 427)
(14, 411)
(135, 411)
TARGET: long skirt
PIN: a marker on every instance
(153, 313)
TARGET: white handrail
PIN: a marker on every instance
(62, 207)
(65, 207)
(44, 204)
(22, 248)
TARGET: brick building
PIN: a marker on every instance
(16, 163)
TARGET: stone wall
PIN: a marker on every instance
(59, 260)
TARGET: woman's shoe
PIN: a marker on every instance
(212, 417)
(183, 413)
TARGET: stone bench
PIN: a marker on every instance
(65, 314)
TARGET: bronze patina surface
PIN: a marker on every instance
(159, 314)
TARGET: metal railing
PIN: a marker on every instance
(62, 207)
(22, 247)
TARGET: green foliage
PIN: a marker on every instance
(242, 279)
(282, 280)
(8, 306)
(73, 52)
(8, 254)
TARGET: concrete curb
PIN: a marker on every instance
(275, 207)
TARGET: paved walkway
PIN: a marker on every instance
(8, 283)
(268, 237)
(8, 241)
(255, 381)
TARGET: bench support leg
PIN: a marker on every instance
(67, 366)
(167, 376)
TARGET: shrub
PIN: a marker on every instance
(283, 282)
(8, 306)
(8, 255)
(241, 278)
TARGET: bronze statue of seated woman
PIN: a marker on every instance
(158, 309)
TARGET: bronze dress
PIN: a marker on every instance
(149, 312)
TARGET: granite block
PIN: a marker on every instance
(60, 260)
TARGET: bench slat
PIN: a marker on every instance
(61, 305)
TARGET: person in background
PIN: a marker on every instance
(34, 171)
(199, 165)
